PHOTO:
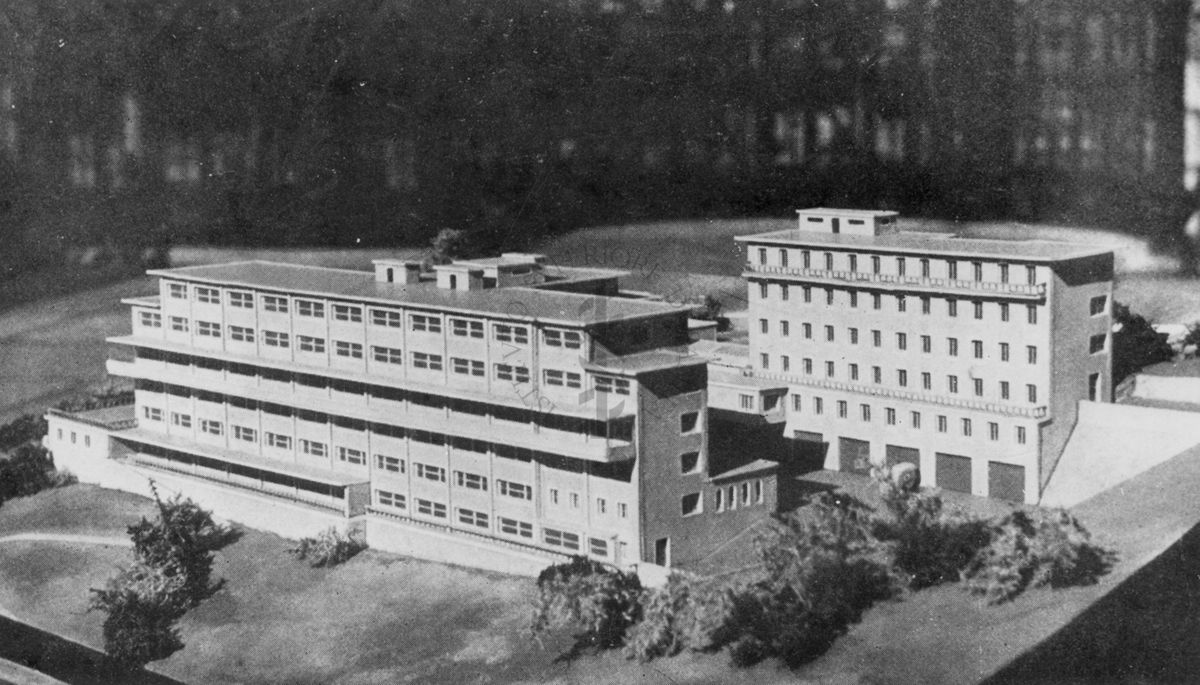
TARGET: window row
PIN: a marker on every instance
(733, 497)
(573, 500)
(854, 374)
(950, 346)
(898, 265)
(892, 417)
(977, 307)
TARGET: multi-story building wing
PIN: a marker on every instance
(966, 357)
(499, 401)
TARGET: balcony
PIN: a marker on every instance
(407, 414)
(1021, 291)
(1038, 412)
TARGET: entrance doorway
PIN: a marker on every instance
(854, 456)
(662, 551)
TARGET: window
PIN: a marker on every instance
(1031, 391)
(914, 418)
(978, 383)
(926, 380)
(385, 317)
(1098, 305)
(558, 538)
(689, 462)
(926, 344)
(1004, 273)
(466, 328)
(346, 312)
(952, 307)
(427, 324)
(762, 290)
(853, 336)
(272, 303)
(966, 428)
(515, 490)
(808, 366)
(877, 338)
(843, 409)
(952, 270)
(874, 264)
(241, 299)
(177, 291)
(762, 255)
(1031, 313)
(572, 340)
(1004, 390)
(150, 319)
(901, 266)
(390, 499)
(1004, 352)
(467, 367)
(977, 349)
(796, 404)
(310, 308)
(763, 326)
(829, 369)
(901, 304)
(514, 527)
(853, 262)
(829, 334)
(783, 291)
(152, 413)
(1020, 435)
(208, 329)
(1031, 353)
(1004, 312)
(876, 301)
(952, 384)
(212, 427)
(807, 330)
(926, 304)
(181, 420)
(829, 296)
(241, 334)
(470, 517)
(512, 373)
(424, 360)
(952, 346)
(689, 422)
(807, 294)
(352, 350)
(853, 372)
(784, 327)
(314, 448)
(387, 355)
(941, 423)
(746, 401)
(566, 379)
(977, 270)
(278, 440)
(434, 509)
(806, 259)
(178, 323)
(351, 456)
(864, 411)
(307, 343)
(890, 416)
(902, 341)
(993, 431)
(783, 257)
(508, 333)
(1096, 343)
(1031, 275)
(977, 306)
(436, 474)
(384, 462)
(924, 268)
(829, 261)
(902, 378)
(470, 481)
(689, 504)
(876, 374)
(275, 339)
(208, 295)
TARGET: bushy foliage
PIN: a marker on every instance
(449, 244)
(1035, 550)
(328, 548)
(183, 538)
(1136, 344)
(597, 602)
(27, 471)
(138, 629)
(689, 612)
(823, 568)
(112, 395)
(23, 429)
(930, 544)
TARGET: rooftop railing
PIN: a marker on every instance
(1023, 290)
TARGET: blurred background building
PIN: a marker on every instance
(383, 120)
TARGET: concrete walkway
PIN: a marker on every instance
(111, 540)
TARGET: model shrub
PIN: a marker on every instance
(930, 544)
(328, 548)
(26, 428)
(597, 602)
(137, 630)
(688, 613)
(182, 537)
(27, 471)
(1034, 550)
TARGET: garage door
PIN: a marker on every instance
(854, 456)
(1006, 481)
(953, 472)
(903, 455)
(810, 449)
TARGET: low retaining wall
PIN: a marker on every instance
(409, 539)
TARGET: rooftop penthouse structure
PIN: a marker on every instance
(966, 357)
(493, 406)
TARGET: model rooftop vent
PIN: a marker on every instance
(459, 276)
(847, 221)
(397, 271)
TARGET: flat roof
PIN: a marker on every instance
(933, 243)
(857, 213)
(515, 302)
(645, 362)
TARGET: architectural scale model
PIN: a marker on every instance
(504, 412)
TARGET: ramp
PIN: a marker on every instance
(1112, 443)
